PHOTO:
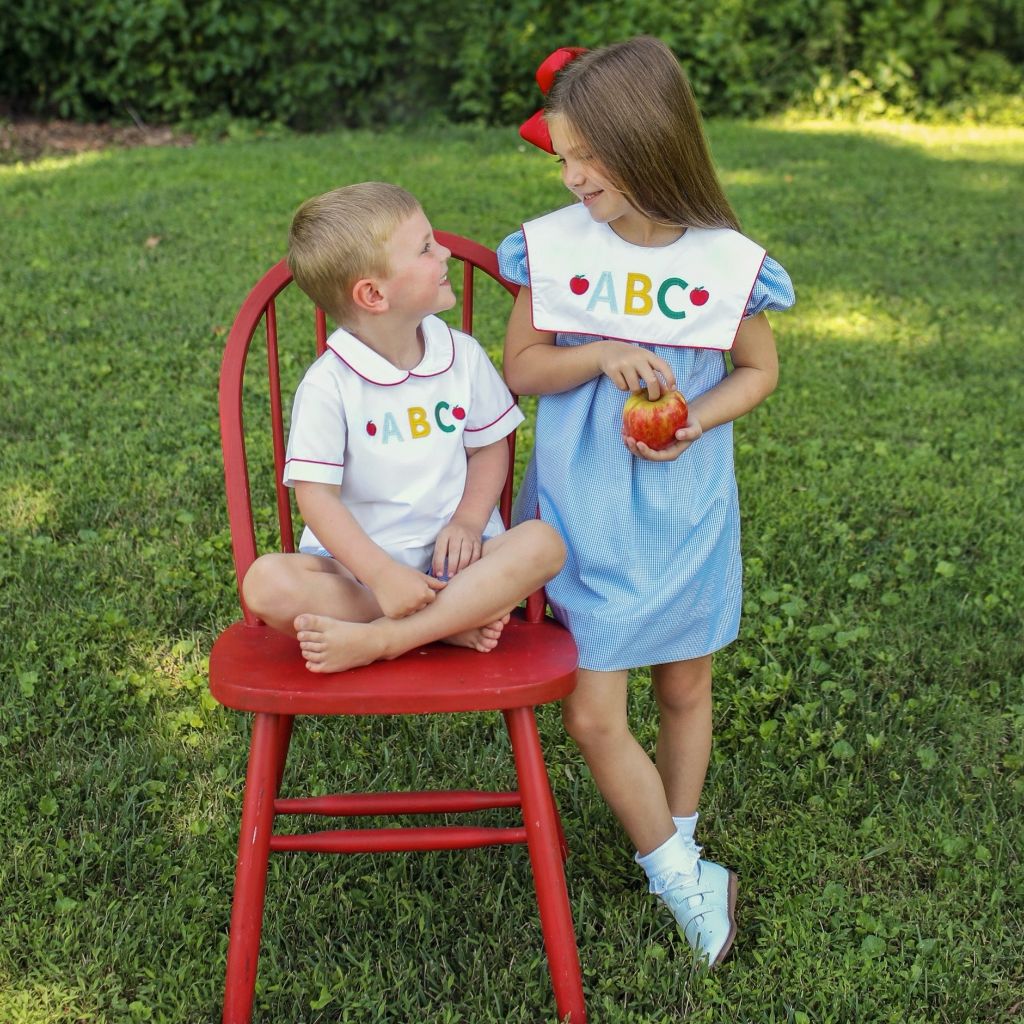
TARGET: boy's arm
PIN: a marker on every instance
(399, 589)
(460, 543)
(535, 365)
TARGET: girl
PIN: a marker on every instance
(645, 280)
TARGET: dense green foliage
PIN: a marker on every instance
(337, 61)
(868, 770)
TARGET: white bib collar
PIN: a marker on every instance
(438, 355)
(692, 293)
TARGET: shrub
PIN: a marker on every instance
(323, 62)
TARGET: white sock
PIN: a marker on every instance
(686, 827)
(671, 864)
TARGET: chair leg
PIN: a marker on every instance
(251, 870)
(542, 838)
(563, 845)
(284, 727)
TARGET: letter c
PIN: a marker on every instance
(672, 314)
(437, 417)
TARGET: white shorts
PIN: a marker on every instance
(416, 558)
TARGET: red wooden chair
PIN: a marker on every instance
(255, 669)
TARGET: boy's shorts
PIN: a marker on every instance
(416, 558)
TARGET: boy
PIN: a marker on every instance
(396, 452)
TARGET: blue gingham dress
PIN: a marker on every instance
(653, 573)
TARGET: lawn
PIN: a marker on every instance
(866, 780)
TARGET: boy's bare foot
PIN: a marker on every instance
(330, 645)
(482, 639)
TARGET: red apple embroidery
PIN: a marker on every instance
(699, 296)
(459, 413)
(578, 285)
(371, 428)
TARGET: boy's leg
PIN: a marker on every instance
(278, 587)
(683, 692)
(513, 565)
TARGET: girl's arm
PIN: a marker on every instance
(460, 543)
(535, 365)
(754, 376)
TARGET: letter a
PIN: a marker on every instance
(418, 423)
(638, 295)
(390, 429)
(604, 292)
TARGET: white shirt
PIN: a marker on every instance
(395, 440)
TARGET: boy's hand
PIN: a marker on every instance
(456, 547)
(401, 590)
(685, 436)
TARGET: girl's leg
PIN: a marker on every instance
(683, 692)
(705, 906)
(595, 717)
(512, 566)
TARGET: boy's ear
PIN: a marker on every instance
(367, 297)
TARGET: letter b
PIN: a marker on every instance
(418, 424)
(638, 295)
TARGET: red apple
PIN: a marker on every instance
(459, 413)
(371, 427)
(655, 423)
(698, 296)
(578, 285)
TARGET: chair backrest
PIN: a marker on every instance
(261, 306)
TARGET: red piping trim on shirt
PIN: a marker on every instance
(409, 373)
(314, 462)
(476, 430)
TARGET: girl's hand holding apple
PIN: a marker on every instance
(658, 428)
(625, 365)
(685, 436)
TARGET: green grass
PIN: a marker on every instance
(866, 780)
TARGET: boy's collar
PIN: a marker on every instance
(438, 355)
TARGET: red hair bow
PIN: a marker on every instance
(535, 130)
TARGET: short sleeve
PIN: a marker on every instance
(318, 433)
(512, 263)
(493, 413)
(773, 290)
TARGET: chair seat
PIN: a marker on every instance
(256, 668)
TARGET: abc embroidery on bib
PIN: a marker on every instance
(637, 299)
(584, 279)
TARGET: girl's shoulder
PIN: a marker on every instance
(772, 291)
(512, 262)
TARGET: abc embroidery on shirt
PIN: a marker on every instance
(416, 423)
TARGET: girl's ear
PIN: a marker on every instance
(367, 297)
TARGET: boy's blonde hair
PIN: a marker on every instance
(630, 106)
(340, 237)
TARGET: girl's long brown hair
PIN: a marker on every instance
(631, 106)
